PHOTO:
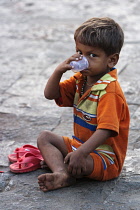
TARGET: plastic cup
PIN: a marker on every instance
(79, 65)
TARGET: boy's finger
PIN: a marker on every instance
(70, 169)
(66, 159)
(75, 57)
(73, 171)
(79, 171)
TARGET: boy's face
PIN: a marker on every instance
(99, 62)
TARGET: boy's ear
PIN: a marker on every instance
(113, 59)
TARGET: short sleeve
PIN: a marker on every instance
(111, 110)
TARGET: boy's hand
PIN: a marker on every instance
(64, 66)
(76, 163)
(52, 89)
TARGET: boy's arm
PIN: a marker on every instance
(52, 90)
(97, 139)
(77, 160)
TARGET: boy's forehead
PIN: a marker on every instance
(86, 48)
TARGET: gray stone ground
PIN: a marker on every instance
(34, 37)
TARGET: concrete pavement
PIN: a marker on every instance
(35, 36)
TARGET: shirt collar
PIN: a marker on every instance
(102, 83)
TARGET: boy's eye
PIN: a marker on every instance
(92, 55)
(79, 52)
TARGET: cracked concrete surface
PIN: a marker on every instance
(35, 36)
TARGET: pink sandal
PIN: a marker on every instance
(28, 162)
(19, 152)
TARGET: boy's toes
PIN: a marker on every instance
(41, 178)
(43, 188)
(43, 164)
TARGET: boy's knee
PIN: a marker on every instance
(43, 138)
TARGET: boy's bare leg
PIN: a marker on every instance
(53, 150)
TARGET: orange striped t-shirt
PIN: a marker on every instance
(101, 107)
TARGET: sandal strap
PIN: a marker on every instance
(29, 158)
(22, 150)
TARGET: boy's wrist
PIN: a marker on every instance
(57, 71)
(83, 151)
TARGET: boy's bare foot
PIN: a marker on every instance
(52, 181)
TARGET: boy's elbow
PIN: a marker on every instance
(47, 96)
(51, 96)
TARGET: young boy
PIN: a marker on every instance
(101, 116)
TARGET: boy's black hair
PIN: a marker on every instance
(104, 33)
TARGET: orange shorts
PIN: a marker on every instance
(103, 169)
